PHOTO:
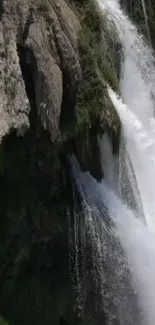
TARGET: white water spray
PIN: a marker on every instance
(127, 183)
(141, 149)
(137, 117)
(139, 246)
(118, 298)
(136, 240)
(138, 73)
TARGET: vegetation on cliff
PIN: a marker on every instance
(99, 52)
(98, 49)
(62, 56)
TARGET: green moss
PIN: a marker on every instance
(99, 60)
(97, 67)
(98, 57)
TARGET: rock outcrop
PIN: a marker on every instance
(55, 60)
(43, 36)
(14, 104)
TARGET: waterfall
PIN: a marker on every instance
(138, 73)
(119, 173)
(136, 111)
(127, 183)
(141, 149)
(139, 247)
(137, 115)
(115, 296)
(119, 212)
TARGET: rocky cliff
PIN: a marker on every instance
(55, 60)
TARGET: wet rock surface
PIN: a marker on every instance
(41, 122)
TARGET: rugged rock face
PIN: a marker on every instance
(14, 104)
(53, 102)
(39, 35)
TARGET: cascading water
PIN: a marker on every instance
(139, 248)
(138, 73)
(115, 296)
(137, 117)
(124, 245)
(141, 148)
(119, 173)
(127, 182)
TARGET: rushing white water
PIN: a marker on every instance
(119, 173)
(136, 111)
(127, 182)
(141, 148)
(137, 115)
(116, 294)
(138, 244)
(138, 73)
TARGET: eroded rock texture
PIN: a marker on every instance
(53, 102)
(39, 73)
(44, 37)
(14, 104)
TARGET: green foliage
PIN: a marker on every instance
(96, 49)
(97, 67)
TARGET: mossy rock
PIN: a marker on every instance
(96, 46)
